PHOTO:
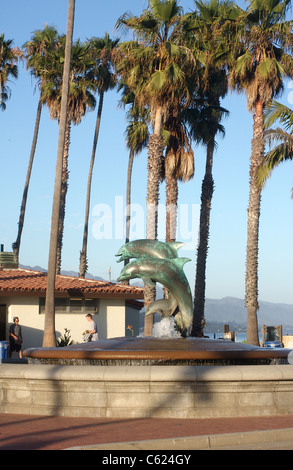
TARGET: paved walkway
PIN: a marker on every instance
(29, 432)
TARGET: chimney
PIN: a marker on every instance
(7, 260)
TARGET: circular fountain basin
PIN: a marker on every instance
(158, 351)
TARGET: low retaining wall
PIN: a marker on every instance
(146, 391)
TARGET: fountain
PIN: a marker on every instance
(167, 375)
(170, 344)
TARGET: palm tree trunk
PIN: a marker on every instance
(128, 205)
(171, 207)
(155, 150)
(49, 339)
(171, 212)
(64, 188)
(128, 196)
(83, 265)
(16, 244)
(251, 286)
(202, 251)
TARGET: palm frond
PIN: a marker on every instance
(278, 112)
(283, 151)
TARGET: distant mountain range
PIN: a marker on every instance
(64, 273)
(229, 310)
(232, 311)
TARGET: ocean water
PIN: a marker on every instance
(239, 336)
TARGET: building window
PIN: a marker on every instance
(81, 306)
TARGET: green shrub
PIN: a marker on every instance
(65, 340)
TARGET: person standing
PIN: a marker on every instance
(15, 338)
(93, 330)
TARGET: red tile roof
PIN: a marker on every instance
(27, 282)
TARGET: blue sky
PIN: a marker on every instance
(227, 247)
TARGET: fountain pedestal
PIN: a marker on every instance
(158, 351)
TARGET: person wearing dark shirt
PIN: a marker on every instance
(15, 338)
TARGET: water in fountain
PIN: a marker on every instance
(165, 329)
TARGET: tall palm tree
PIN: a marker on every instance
(205, 128)
(263, 60)
(101, 51)
(178, 166)
(155, 67)
(49, 338)
(8, 68)
(80, 99)
(37, 54)
(211, 47)
(279, 139)
(137, 135)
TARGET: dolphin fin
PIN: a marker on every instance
(175, 245)
(148, 281)
(180, 262)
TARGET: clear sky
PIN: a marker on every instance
(227, 247)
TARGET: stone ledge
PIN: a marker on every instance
(148, 373)
(146, 391)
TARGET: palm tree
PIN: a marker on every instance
(80, 99)
(37, 53)
(49, 339)
(155, 66)
(137, 138)
(211, 47)
(282, 137)
(8, 68)
(263, 60)
(178, 166)
(101, 51)
(206, 126)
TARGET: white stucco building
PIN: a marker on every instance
(22, 294)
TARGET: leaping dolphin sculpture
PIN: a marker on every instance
(149, 249)
(168, 272)
(167, 308)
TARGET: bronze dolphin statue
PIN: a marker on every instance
(168, 272)
(167, 308)
(149, 249)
